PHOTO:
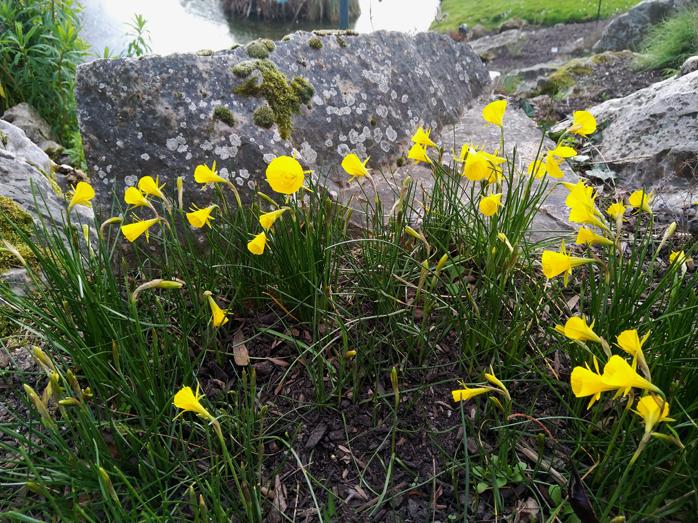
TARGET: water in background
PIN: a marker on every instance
(191, 25)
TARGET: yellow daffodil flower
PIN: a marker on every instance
(556, 263)
(615, 210)
(551, 164)
(187, 401)
(150, 186)
(629, 340)
(653, 410)
(581, 202)
(493, 112)
(480, 165)
(205, 175)
(576, 328)
(489, 205)
(133, 231)
(586, 382)
(200, 217)
(419, 153)
(421, 137)
(219, 317)
(267, 219)
(285, 175)
(353, 165)
(618, 373)
(586, 236)
(679, 258)
(257, 244)
(82, 195)
(641, 200)
(494, 380)
(133, 196)
(583, 123)
(467, 393)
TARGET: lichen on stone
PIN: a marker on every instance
(263, 116)
(223, 114)
(315, 42)
(284, 98)
(260, 48)
(14, 224)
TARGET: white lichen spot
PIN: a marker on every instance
(377, 135)
(382, 111)
(120, 144)
(251, 185)
(328, 142)
(144, 156)
(390, 133)
(393, 95)
(130, 180)
(244, 173)
(268, 157)
(224, 173)
(343, 149)
(206, 145)
(308, 153)
(318, 100)
(188, 156)
(404, 98)
(385, 146)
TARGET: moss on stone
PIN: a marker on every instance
(284, 98)
(263, 116)
(14, 223)
(260, 48)
(400, 161)
(303, 89)
(3, 138)
(315, 42)
(341, 41)
(565, 77)
(372, 121)
(244, 69)
(223, 114)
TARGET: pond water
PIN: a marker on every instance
(191, 25)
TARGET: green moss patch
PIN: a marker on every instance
(224, 115)
(14, 222)
(260, 48)
(565, 77)
(263, 116)
(315, 42)
(244, 69)
(283, 98)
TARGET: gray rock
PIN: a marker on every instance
(520, 132)
(506, 43)
(689, 66)
(34, 126)
(627, 30)
(24, 177)
(650, 139)
(154, 116)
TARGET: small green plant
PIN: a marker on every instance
(671, 42)
(140, 42)
(40, 48)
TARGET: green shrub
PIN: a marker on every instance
(671, 42)
(40, 48)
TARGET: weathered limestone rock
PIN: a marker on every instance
(690, 65)
(627, 30)
(650, 139)
(25, 172)
(34, 126)
(162, 116)
(520, 132)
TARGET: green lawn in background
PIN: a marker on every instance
(492, 13)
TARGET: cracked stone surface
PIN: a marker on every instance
(153, 116)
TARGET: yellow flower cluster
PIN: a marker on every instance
(618, 375)
(466, 393)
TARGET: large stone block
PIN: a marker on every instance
(162, 116)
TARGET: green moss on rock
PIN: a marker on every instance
(263, 116)
(14, 223)
(565, 77)
(303, 89)
(284, 98)
(244, 69)
(223, 114)
(341, 41)
(315, 42)
(260, 48)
